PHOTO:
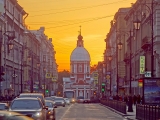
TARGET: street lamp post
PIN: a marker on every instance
(110, 58)
(130, 108)
(38, 65)
(22, 72)
(22, 65)
(30, 58)
(118, 47)
(44, 88)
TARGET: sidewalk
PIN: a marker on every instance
(129, 115)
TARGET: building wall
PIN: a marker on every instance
(11, 61)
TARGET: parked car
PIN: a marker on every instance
(8, 115)
(53, 97)
(86, 100)
(59, 101)
(80, 99)
(31, 107)
(51, 109)
(67, 101)
(35, 95)
(4, 106)
(50, 98)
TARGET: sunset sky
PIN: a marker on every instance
(62, 18)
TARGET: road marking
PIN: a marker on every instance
(65, 112)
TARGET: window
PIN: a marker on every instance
(72, 68)
(44, 58)
(48, 62)
(87, 74)
(87, 69)
(80, 68)
(7, 6)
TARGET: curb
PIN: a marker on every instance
(122, 114)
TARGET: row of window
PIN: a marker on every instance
(79, 68)
(12, 9)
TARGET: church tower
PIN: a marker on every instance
(80, 70)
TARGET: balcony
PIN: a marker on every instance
(126, 57)
(145, 43)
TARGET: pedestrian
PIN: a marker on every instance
(134, 99)
(117, 97)
(138, 99)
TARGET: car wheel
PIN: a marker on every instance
(63, 105)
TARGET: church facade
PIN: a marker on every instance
(80, 79)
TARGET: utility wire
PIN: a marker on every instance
(67, 8)
(79, 8)
(81, 22)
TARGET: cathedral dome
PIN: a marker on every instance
(80, 54)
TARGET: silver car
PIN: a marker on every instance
(31, 107)
(59, 101)
(67, 101)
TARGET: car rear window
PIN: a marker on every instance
(34, 96)
(2, 106)
(59, 99)
(80, 97)
(26, 104)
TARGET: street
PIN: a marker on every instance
(86, 112)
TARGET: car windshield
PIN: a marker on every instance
(35, 96)
(59, 99)
(49, 98)
(80, 97)
(69, 94)
(49, 104)
(26, 104)
(2, 106)
(53, 97)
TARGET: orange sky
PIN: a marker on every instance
(62, 19)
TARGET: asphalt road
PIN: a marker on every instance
(86, 112)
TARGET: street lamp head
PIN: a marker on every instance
(137, 24)
(110, 58)
(38, 64)
(44, 69)
(29, 58)
(11, 35)
(26, 31)
(120, 46)
(10, 45)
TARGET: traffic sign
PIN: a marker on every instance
(54, 79)
(147, 74)
(107, 77)
(142, 64)
(48, 75)
(14, 75)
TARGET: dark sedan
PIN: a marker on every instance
(31, 107)
(4, 106)
(51, 109)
